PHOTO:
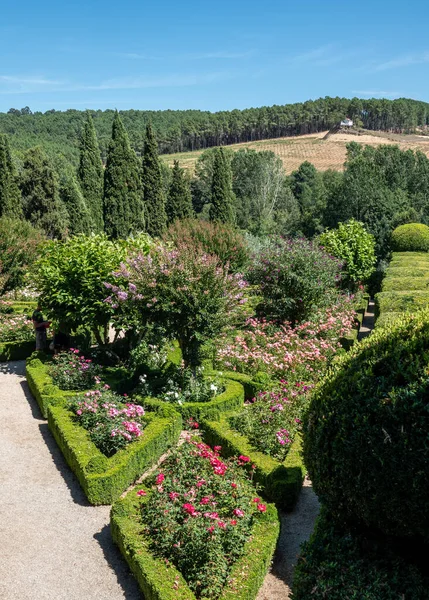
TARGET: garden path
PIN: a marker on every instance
(368, 321)
(54, 545)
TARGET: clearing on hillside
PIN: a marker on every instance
(324, 154)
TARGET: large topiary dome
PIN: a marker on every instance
(413, 237)
(366, 442)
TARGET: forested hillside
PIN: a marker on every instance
(178, 131)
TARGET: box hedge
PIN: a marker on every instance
(340, 564)
(41, 384)
(279, 481)
(412, 237)
(403, 284)
(405, 301)
(16, 350)
(161, 581)
(104, 479)
(366, 431)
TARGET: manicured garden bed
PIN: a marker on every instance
(104, 479)
(41, 384)
(279, 481)
(159, 579)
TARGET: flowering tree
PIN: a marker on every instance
(189, 293)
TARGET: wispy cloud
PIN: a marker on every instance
(377, 93)
(323, 56)
(221, 55)
(29, 80)
(403, 61)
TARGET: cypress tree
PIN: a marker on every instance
(123, 207)
(79, 218)
(222, 207)
(153, 191)
(10, 195)
(40, 194)
(90, 174)
(179, 200)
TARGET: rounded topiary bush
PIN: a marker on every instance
(366, 442)
(413, 237)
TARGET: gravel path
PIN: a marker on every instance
(54, 545)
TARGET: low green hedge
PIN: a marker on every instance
(403, 284)
(406, 301)
(41, 384)
(281, 482)
(230, 400)
(16, 350)
(337, 564)
(161, 581)
(406, 271)
(388, 318)
(413, 237)
(104, 479)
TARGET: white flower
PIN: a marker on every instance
(213, 387)
(179, 402)
(176, 395)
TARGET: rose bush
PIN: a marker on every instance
(15, 328)
(72, 371)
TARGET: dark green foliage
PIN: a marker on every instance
(79, 218)
(308, 188)
(153, 190)
(90, 174)
(16, 350)
(222, 207)
(123, 207)
(179, 201)
(365, 435)
(40, 194)
(338, 564)
(413, 237)
(10, 196)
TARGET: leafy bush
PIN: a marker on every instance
(111, 423)
(353, 245)
(296, 278)
(339, 564)
(413, 237)
(188, 293)
(212, 238)
(15, 328)
(296, 353)
(200, 514)
(72, 371)
(365, 442)
(273, 418)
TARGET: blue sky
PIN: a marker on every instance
(209, 55)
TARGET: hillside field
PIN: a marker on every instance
(324, 154)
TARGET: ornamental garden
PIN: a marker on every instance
(206, 372)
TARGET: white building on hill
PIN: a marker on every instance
(346, 122)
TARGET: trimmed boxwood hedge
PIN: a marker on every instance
(161, 581)
(16, 350)
(366, 431)
(412, 237)
(402, 284)
(279, 481)
(338, 564)
(104, 479)
(41, 384)
(406, 301)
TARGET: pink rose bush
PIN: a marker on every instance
(200, 514)
(72, 371)
(112, 424)
(15, 328)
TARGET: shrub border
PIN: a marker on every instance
(16, 350)
(104, 479)
(279, 481)
(159, 581)
(41, 384)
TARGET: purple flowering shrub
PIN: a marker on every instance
(72, 371)
(112, 424)
(296, 277)
(189, 293)
(272, 419)
(200, 514)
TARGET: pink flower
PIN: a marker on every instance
(211, 528)
(160, 479)
(217, 448)
(237, 512)
(173, 495)
(233, 522)
(221, 524)
(257, 500)
(141, 493)
(262, 508)
(244, 459)
(233, 485)
(205, 500)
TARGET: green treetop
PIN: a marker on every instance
(222, 207)
(80, 220)
(123, 209)
(10, 196)
(153, 191)
(90, 174)
(40, 194)
(179, 200)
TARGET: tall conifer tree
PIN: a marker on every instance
(222, 207)
(42, 204)
(179, 200)
(90, 174)
(123, 207)
(10, 195)
(80, 219)
(153, 190)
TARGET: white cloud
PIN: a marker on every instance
(403, 61)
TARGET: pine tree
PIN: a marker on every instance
(179, 200)
(40, 194)
(10, 195)
(90, 174)
(123, 206)
(80, 220)
(222, 197)
(153, 191)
